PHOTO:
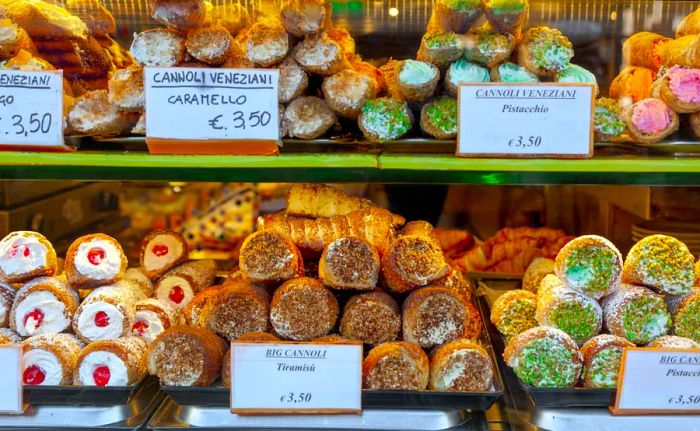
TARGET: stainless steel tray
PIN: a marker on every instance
(81, 395)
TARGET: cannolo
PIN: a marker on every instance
(511, 72)
(303, 17)
(308, 118)
(385, 119)
(397, 365)
(679, 87)
(462, 366)
(107, 312)
(136, 276)
(177, 287)
(570, 310)
(303, 309)
(236, 309)
(267, 42)
(151, 317)
(12, 39)
(464, 71)
(347, 91)
(8, 336)
(440, 49)
(25, 61)
(50, 359)
(487, 46)
(514, 312)
(577, 74)
(544, 51)
(94, 14)
(438, 118)
(661, 263)
(25, 255)
(119, 362)
(320, 200)
(349, 263)
(236, 58)
(44, 305)
(535, 272)
(372, 318)
(94, 260)
(454, 16)
(269, 257)
(633, 83)
(7, 298)
(158, 47)
(650, 120)
(608, 123)
(590, 264)
(200, 306)
(645, 49)
(371, 72)
(126, 88)
(674, 342)
(684, 51)
(321, 55)
(160, 251)
(342, 37)
(689, 25)
(456, 282)
(601, 360)
(93, 114)
(635, 313)
(209, 44)
(44, 20)
(182, 15)
(506, 15)
(416, 81)
(293, 81)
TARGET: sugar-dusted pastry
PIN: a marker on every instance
(8, 336)
(636, 313)
(269, 257)
(151, 317)
(25, 61)
(50, 359)
(684, 310)
(267, 42)
(372, 317)
(514, 312)
(12, 39)
(511, 72)
(118, 362)
(303, 17)
(93, 114)
(210, 44)
(645, 49)
(590, 264)
(684, 51)
(7, 298)
(460, 366)
(293, 81)
(633, 83)
(107, 312)
(162, 250)
(608, 123)
(650, 120)
(158, 47)
(544, 357)
(369, 71)
(440, 49)
(347, 91)
(126, 88)
(308, 118)
(689, 25)
(455, 281)
(140, 126)
(25, 255)
(464, 71)
(602, 355)
(236, 309)
(535, 272)
(321, 55)
(438, 118)
(94, 260)
(44, 305)
(506, 15)
(487, 46)
(349, 263)
(342, 37)
(385, 119)
(182, 15)
(416, 81)
(177, 286)
(570, 310)
(679, 87)
(457, 317)
(414, 259)
(303, 309)
(197, 310)
(454, 16)
(674, 342)
(45, 20)
(186, 356)
(139, 278)
(250, 337)
(397, 365)
(544, 51)
(661, 263)
(578, 75)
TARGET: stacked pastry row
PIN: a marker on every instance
(118, 304)
(659, 85)
(566, 304)
(334, 269)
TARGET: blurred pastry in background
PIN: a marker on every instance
(506, 15)
(689, 25)
(181, 15)
(644, 49)
(454, 15)
(440, 49)
(303, 17)
(684, 51)
(234, 17)
(487, 46)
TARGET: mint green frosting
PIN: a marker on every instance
(501, 7)
(510, 72)
(464, 71)
(575, 73)
(468, 6)
(414, 72)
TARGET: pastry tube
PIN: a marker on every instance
(209, 44)
(372, 318)
(458, 318)
(369, 71)
(7, 298)
(460, 366)
(44, 305)
(514, 312)
(182, 15)
(50, 359)
(177, 287)
(344, 39)
(456, 282)
(454, 16)
(602, 356)
(506, 15)
(590, 264)
(397, 365)
(438, 118)
(487, 46)
(414, 259)
(8, 336)
(186, 356)
(608, 123)
(650, 120)
(440, 49)
(137, 277)
(689, 25)
(237, 309)
(119, 362)
(567, 309)
(269, 257)
(160, 251)
(645, 49)
(349, 263)
(674, 342)
(544, 51)
(151, 317)
(347, 91)
(464, 71)
(511, 72)
(93, 114)
(303, 17)
(25, 255)
(679, 87)
(106, 313)
(12, 39)
(94, 260)
(320, 200)
(308, 118)
(267, 42)
(635, 313)
(44, 20)
(535, 272)
(684, 51)
(293, 81)
(321, 55)
(661, 263)
(126, 88)
(303, 309)
(416, 81)
(250, 337)
(385, 119)
(158, 47)
(200, 306)
(632, 83)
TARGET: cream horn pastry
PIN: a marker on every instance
(461, 365)
(633, 83)
(126, 88)
(293, 80)
(661, 263)
(321, 55)
(372, 317)
(650, 120)
(511, 72)
(385, 119)
(199, 307)
(608, 123)
(209, 44)
(454, 15)
(25, 255)
(158, 47)
(118, 362)
(674, 342)
(236, 309)
(94, 260)
(456, 282)
(160, 251)
(487, 46)
(601, 360)
(590, 264)
(545, 51)
(684, 51)
(506, 15)
(347, 91)
(438, 118)
(416, 81)
(440, 49)
(7, 298)
(397, 365)
(303, 17)
(349, 263)
(578, 75)
(679, 87)
(269, 257)
(44, 305)
(644, 49)
(50, 359)
(182, 15)
(138, 277)
(151, 318)
(8, 336)
(464, 71)
(689, 25)
(308, 118)
(177, 287)
(303, 309)
(267, 43)
(186, 356)
(345, 40)
(106, 313)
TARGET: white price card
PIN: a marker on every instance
(525, 120)
(656, 381)
(31, 110)
(296, 378)
(11, 379)
(212, 104)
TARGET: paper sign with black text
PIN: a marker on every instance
(296, 378)
(525, 120)
(11, 379)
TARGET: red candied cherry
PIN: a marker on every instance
(33, 375)
(16, 248)
(160, 250)
(101, 319)
(96, 255)
(35, 314)
(176, 294)
(101, 375)
(139, 327)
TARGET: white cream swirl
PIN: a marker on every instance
(118, 371)
(88, 328)
(104, 266)
(414, 72)
(150, 327)
(20, 253)
(166, 286)
(54, 314)
(47, 362)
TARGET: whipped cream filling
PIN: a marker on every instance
(47, 362)
(147, 325)
(89, 329)
(20, 254)
(415, 72)
(54, 318)
(98, 259)
(155, 257)
(174, 291)
(118, 371)
(464, 71)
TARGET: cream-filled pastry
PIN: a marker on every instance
(151, 318)
(25, 255)
(416, 80)
(50, 359)
(7, 298)
(107, 312)
(118, 362)
(160, 251)
(464, 71)
(94, 260)
(177, 287)
(44, 305)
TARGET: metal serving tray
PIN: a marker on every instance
(81, 395)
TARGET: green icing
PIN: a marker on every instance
(518, 317)
(387, 118)
(510, 72)
(416, 72)
(645, 319)
(605, 368)
(442, 113)
(545, 363)
(442, 41)
(607, 120)
(502, 7)
(575, 73)
(550, 50)
(591, 268)
(464, 71)
(578, 319)
(687, 321)
(470, 7)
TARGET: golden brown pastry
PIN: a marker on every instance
(293, 80)
(689, 25)
(644, 49)
(269, 257)
(12, 39)
(321, 55)
(200, 306)
(94, 260)
(237, 309)
(118, 362)
(303, 17)
(303, 309)
(441, 49)
(372, 318)
(678, 87)
(182, 15)
(44, 305)
(632, 83)
(416, 81)
(126, 88)
(507, 15)
(93, 114)
(50, 359)
(158, 47)
(349, 263)
(684, 51)
(234, 17)
(210, 44)
(25, 255)
(162, 250)
(267, 42)
(308, 118)
(319, 200)
(452, 16)
(94, 14)
(650, 120)
(461, 365)
(398, 365)
(455, 281)
(347, 91)
(178, 286)
(536, 48)
(601, 360)
(488, 47)
(43, 20)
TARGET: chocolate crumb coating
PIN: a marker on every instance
(238, 309)
(268, 257)
(303, 309)
(349, 263)
(371, 317)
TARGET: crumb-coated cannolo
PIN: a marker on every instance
(635, 313)
(8, 336)
(511, 72)
(209, 44)
(303, 17)
(460, 366)
(107, 312)
(661, 263)
(126, 88)
(685, 310)
(44, 305)
(303, 309)
(538, 269)
(590, 264)
(27, 62)
(544, 51)
(570, 310)
(645, 49)
(118, 362)
(438, 118)
(347, 91)
(267, 43)
(684, 51)
(308, 118)
(178, 286)
(396, 365)
(293, 81)
(199, 307)
(94, 260)
(321, 55)
(12, 39)
(158, 47)
(440, 49)
(487, 46)
(236, 309)
(416, 81)
(650, 120)
(50, 359)
(162, 250)
(385, 119)
(464, 71)
(94, 114)
(349, 263)
(372, 318)
(236, 58)
(151, 317)
(371, 72)
(25, 255)
(455, 16)
(269, 258)
(506, 15)
(602, 355)
(608, 123)
(7, 298)
(514, 312)
(679, 87)
(689, 25)
(674, 342)
(343, 38)
(182, 15)
(633, 83)
(577, 74)
(456, 282)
